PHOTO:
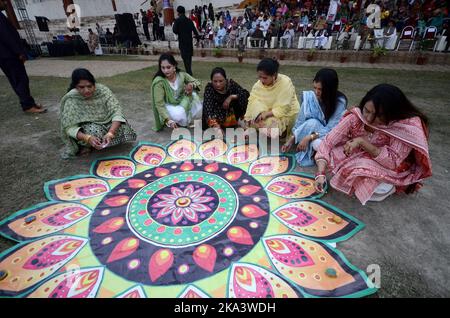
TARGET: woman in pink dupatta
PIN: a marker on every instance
(377, 148)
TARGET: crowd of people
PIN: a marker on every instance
(286, 19)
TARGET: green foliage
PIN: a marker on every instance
(379, 51)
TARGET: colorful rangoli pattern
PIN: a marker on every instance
(186, 220)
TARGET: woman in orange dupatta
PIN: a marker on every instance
(377, 148)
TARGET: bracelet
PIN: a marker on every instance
(314, 136)
(86, 138)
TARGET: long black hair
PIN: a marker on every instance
(218, 70)
(330, 94)
(268, 66)
(169, 58)
(392, 103)
(80, 74)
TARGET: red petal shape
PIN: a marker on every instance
(110, 226)
(238, 234)
(205, 256)
(117, 201)
(249, 189)
(213, 167)
(253, 211)
(261, 168)
(136, 183)
(125, 248)
(159, 264)
(161, 172)
(233, 176)
(187, 166)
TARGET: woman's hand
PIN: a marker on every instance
(189, 88)
(171, 124)
(107, 139)
(95, 142)
(227, 102)
(303, 145)
(319, 183)
(262, 116)
(351, 145)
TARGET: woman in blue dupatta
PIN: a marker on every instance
(321, 110)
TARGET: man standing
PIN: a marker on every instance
(183, 27)
(12, 59)
(155, 28)
(144, 20)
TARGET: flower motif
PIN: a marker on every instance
(181, 204)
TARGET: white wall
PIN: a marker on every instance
(52, 9)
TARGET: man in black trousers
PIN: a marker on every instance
(145, 24)
(183, 27)
(12, 59)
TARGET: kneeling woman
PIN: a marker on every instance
(320, 112)
(377, 149)
(91, 116)
(175, 103)
(273, 102)
(224, 102)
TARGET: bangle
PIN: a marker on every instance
(86, 138)
(320, 174)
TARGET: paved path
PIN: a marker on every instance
(64, 67)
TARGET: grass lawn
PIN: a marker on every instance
(407, 236)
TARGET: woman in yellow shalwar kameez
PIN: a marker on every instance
(273, 101)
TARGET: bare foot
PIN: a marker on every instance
(36, 110)
(288, 145)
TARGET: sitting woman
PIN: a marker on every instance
(273, 102)
(91, 116)
(224, 102)
(174, 101)
(378, 148)
(320, 112)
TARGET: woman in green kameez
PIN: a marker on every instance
(91, 117)
(174, 95)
